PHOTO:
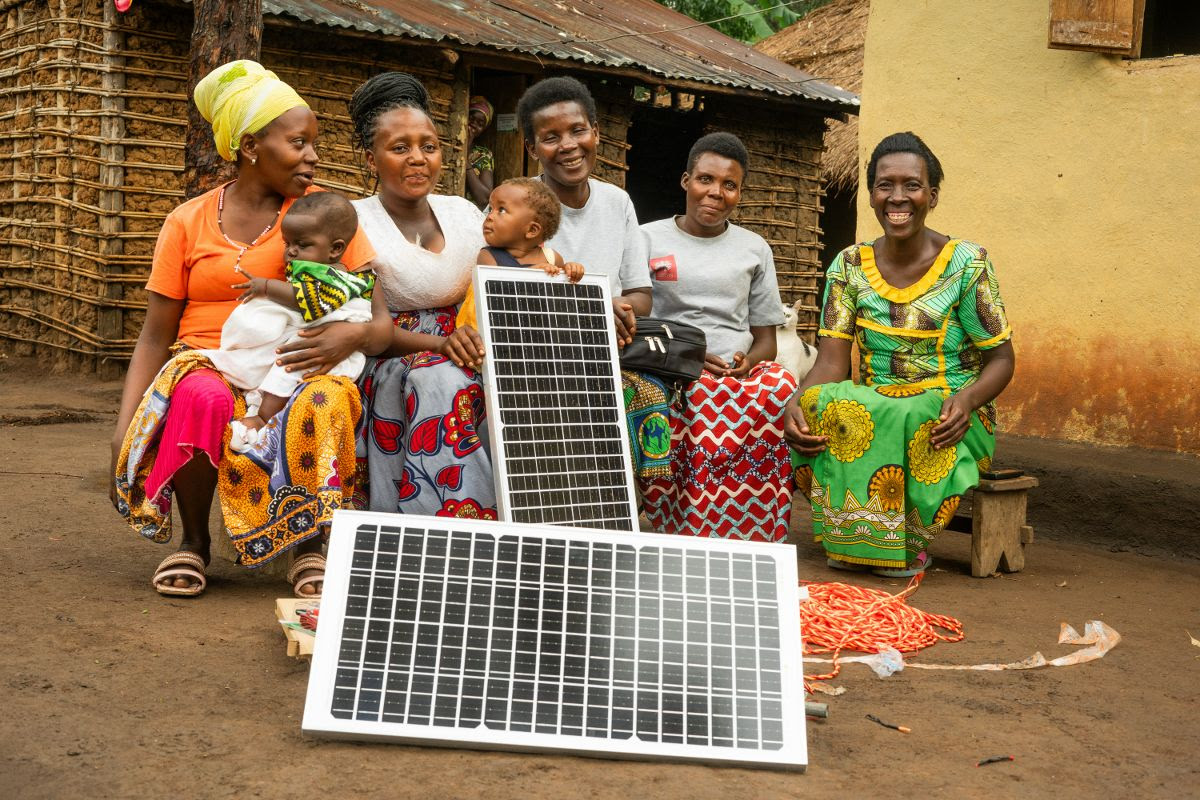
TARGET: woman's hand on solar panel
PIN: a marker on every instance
(716, 365)
(797, 433)
(953, 422)
(318, 349)
(463, 347)
(624, 320)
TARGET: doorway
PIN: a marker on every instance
(660, 137)
(503, 135)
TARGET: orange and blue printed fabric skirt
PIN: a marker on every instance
(280, 493)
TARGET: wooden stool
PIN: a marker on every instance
(998, 530)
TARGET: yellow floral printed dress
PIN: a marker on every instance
(879, 491)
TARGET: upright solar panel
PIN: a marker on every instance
(492, 635)
(555, 406)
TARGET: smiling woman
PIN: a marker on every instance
(730, 471)
(886, 463)
(171, 435)
(423, 448)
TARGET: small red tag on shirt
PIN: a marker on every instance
(663, 268)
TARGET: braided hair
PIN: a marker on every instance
(380, 94)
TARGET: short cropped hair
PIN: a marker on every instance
(336, 214)
(906, 142)
(546, 208)
(723, 144)
(546, 93)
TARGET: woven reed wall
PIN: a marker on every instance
(781, 199)
(92, 119)
(614, 110)
(328, 78)
(87, 158)
(93, 110)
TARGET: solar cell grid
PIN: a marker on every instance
(555, 404)
(626, 645)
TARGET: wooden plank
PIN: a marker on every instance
(299, 643)
(454, 176)
(1105, 26)
(1021, 484)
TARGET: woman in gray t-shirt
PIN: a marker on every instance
(721, 277)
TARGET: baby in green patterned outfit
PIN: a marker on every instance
(318, 290)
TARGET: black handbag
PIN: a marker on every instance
(670, 350)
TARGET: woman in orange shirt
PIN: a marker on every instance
(172, 440)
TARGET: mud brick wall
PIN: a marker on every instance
(781, 199)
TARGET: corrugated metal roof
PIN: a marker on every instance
(632, 34)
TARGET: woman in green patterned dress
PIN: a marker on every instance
(885, 462)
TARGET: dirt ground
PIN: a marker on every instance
(110, 691)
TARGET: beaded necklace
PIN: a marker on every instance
(242, 248)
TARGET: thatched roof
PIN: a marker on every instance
(828, 43)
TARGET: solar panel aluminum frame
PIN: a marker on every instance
(500, 467)
(319, 720)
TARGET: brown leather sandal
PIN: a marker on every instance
(181, 564)
(302, 563)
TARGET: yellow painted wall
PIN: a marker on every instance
(1080, 173)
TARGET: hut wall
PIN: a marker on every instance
(327, 78)
(87, 105)
(781, 199)
(93, 111)
(614, 109)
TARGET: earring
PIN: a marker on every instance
(253, 160)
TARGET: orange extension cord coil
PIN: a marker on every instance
(839, 616)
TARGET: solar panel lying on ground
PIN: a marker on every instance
(500, 636)
(555, 408)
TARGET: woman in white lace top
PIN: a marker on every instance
(422, 447)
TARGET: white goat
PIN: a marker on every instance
(796, 355)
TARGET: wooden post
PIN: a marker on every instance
(222, 31)
(111, 319)
(456, 134)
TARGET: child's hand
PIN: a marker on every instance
(254, 287)
(253, 423)
(463, 347)
(574, 271)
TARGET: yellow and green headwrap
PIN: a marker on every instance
(242, 97)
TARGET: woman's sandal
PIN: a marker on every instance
(846, 566)
(922, 564)
(311, 561)
(181, 564)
